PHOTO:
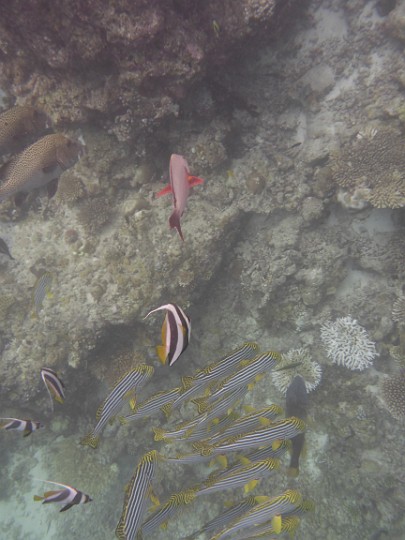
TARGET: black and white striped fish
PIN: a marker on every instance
(225, 517)
(26, 426)
(125, 387)
(136, 497)
(161, 516)
(247, 475)
(68, 496)
(176, 332)
(53, 384)
(281, 430)
(224, 367)
(261, 513)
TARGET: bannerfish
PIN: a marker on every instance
(4, 249)
(53, 384)
(26, 426)
(41, 164)
(296, 405)
(19, 125)
(179, 187)
(176, 332)
(68, 496)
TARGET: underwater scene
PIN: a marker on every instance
(202, 263)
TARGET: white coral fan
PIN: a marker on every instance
(347, 343)
(309, 370)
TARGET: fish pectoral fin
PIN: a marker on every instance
(195, 181)
(264, 421)
(66, 507)
(49, 168)
(250, 485)
(244, 460)
(161, 352)
(19, 198)
(222, 460)
(52, 187)
(276, 523)
(182, 329)
(27, 432)
(165, 191)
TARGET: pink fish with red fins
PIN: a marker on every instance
(180, 182)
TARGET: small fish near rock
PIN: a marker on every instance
(39, 165)
(179, 187)
(19, 126)
(4, 249)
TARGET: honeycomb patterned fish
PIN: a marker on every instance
(39, 165)
(68, 496)
(18, 125)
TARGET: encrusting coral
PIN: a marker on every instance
(347, 343)
(373, 165)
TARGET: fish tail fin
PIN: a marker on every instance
(202, 404)
(293, 472)
(187, 382)
(276, 523)
(202, 448)
(167, 409)
(174, 222)
(161, 352)
(38, 498)
(90, 440)
(159, 434)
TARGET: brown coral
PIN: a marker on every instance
(393, 394)
(94, 214)
(375, 163)
(70, 188)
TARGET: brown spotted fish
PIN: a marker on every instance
(19, 125)
(41, 164)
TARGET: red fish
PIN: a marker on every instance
(180, 183)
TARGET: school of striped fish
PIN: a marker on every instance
(244, 443)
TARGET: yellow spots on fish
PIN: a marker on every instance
(250, 486)
(216, 28)
(276, 523)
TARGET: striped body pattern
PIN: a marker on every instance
(26, 426)
(113, 403)
(136, 498)
(240, 476)
(167, 510)
(176, 332)
(262, 512)
(54, 385)
(222, 368)
(68, 496)
(157, 402)
(283, 429)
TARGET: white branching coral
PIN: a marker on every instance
(347, 343)
(303, 364)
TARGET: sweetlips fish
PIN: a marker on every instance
(41, 164)
(19, 125)
(179, 187)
